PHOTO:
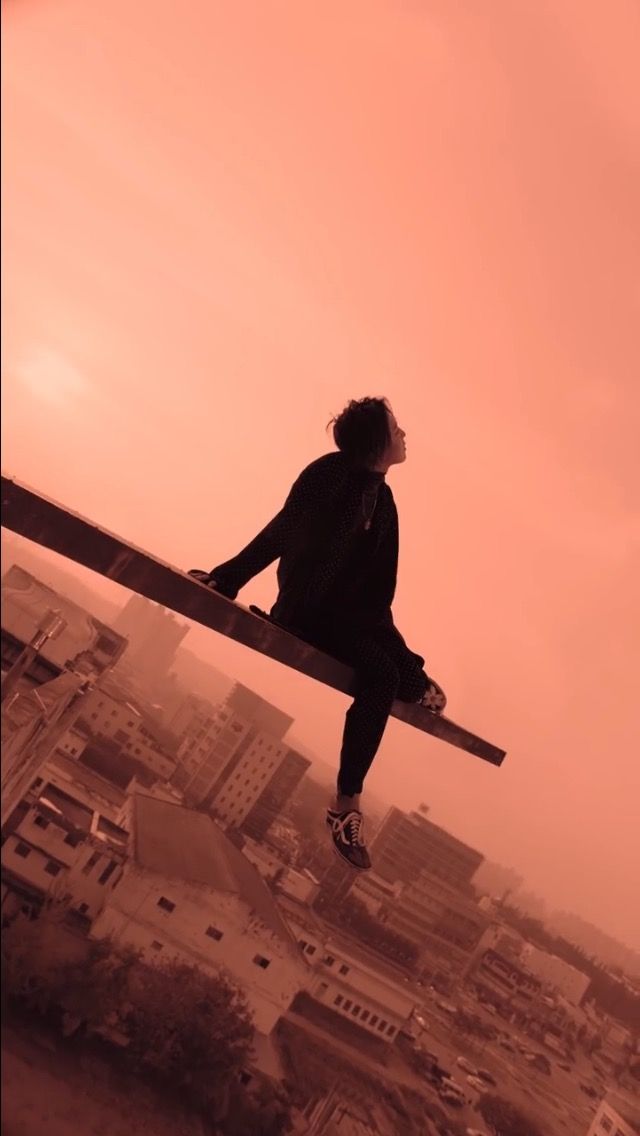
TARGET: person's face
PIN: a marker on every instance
(396, 451)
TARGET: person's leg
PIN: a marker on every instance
(415, 684)
(376, 684)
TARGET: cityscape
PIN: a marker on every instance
(319, 568)
(183, 832)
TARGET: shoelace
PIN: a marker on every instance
(351, 826)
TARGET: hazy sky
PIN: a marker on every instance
(223, 220)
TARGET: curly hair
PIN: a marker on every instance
(361, 430)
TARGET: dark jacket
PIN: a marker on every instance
(330, 562)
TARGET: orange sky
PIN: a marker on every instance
(223, 220)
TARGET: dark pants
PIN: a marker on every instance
(385, 669)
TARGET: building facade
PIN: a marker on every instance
(188, 893)
(555, 972)
(349, 980)
(408, 843)
(56, 847)
(615, 1117)
(154, 635)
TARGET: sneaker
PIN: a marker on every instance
(348, 841)
(434, 698)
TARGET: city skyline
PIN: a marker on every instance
(279, 714)
(226, 247)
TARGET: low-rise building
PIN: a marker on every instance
(189, 893)
(615, 1117)
(502, 980)
(347, 978)
(555, 972)
(55, 847)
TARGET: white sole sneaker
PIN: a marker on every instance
(434, 698)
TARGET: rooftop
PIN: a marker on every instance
(628, 1110)
(78, 773)
(183, 844)
(66, 806)
(335, 939)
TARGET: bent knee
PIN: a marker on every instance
(413, 686)
(383, 677)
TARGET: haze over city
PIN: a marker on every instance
(218, 231)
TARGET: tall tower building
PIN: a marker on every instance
(274, 794)
(246, 732)
(154, 636)
(408, 843)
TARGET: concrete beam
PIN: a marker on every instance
(44, 521)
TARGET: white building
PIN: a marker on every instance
(263, 857)
(188, 892)
(553, 971)
(302, 886)
(59, 848)
(107, 713)
(346, 978)
(615, 1117)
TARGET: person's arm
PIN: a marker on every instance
(298, 516)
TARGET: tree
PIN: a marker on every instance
(191, 1029)
(96, 990)
(33, 971)
(504, 1119)
(264, 1112)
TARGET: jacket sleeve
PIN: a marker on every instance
(300, 512)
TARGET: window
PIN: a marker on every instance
(52, 869)
(338, 1001)
(374, 1018)
(214, 933)
(310, 949)
(41, 822)
(606, 1124)
(22, 850)
(130, 723)
(365, 1015)
(344, 969)
(328, 960)
(166, 904)
(72, 839)
(83, 908)
(108, 872)
(91, 863)
(356, 1010)
(260, 960)
(347, 1005)
(382, 1025)
(156, 946)
(391, 1031)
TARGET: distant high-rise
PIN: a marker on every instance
(154, 636)
(243, 726)
(407, 844)
(274, 794)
